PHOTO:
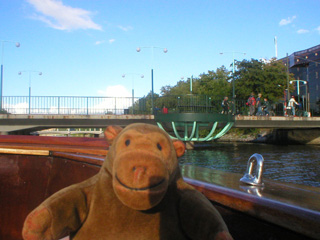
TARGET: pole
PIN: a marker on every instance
(288, 97)
(233, 80)
(191, 80)
(132, 93)
(306, 85)
(29, 92)
(29, 100)
(132, 101)
(30, 71)
(165, 50)
(152, 100)
(298, 85)
(1, 85)
(233, 85)
(307, 95)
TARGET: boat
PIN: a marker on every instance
(32, 168)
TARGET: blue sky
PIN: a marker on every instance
(83, 47)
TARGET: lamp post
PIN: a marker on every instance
(298, 90)
(233, 71)
(191, 80)
(30, 71)
(124, 75)
(165, 50)
(2, 53)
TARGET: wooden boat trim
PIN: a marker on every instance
(70, 149)
(24, 151)
(94, 146)
(89, 159)
(56, 141)
(302, 220)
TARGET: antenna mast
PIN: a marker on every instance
(276, 47)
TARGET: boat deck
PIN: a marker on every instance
(33, 168)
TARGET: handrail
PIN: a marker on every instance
(81, 105)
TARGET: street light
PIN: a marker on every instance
(233, 83)
(298, 90)
(124, 75)
(2, 54)
(30, 71)
(191, 80)
(165, 50)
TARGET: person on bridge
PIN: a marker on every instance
(164, 110)
(225, 105)
(259, 105)
(251, 103)
(291, 105)
(266, 107)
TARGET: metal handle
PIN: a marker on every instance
(256, 178)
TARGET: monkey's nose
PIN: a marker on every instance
(138, 173)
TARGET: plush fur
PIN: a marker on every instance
(138, 194)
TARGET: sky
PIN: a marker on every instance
(84, 47)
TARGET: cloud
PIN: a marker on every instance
(318, 29)
(115, 91)
(126, 29)
(117, 98)
(19, 108)
(99, 42)
(59, 16)
(302, 31)
(287, 21)
(103, 41)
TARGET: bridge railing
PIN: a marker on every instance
(68, 105)
(213, 104)
(186, 103)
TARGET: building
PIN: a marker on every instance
(305, 66)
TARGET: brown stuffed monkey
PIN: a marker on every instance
(138, 194)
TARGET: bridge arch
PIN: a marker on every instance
(190, 124)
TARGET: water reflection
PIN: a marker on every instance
(297, 164)
(253, 190)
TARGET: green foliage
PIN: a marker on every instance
(3, 111)
(215, 83)
(253, 75)
(245, 132)
(144, 104)
(270, 79)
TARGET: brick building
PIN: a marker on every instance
(305, 66)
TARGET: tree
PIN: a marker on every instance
(143, 105)
(270, 79)
(181, 88)
(215, 83)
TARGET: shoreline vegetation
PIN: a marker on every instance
(248, 135)
(237, 135)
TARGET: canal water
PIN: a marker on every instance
(298, 164)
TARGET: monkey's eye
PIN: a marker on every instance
(159, 146)
(127, 142)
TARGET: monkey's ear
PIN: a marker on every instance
(179, 147)
(111, 132)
